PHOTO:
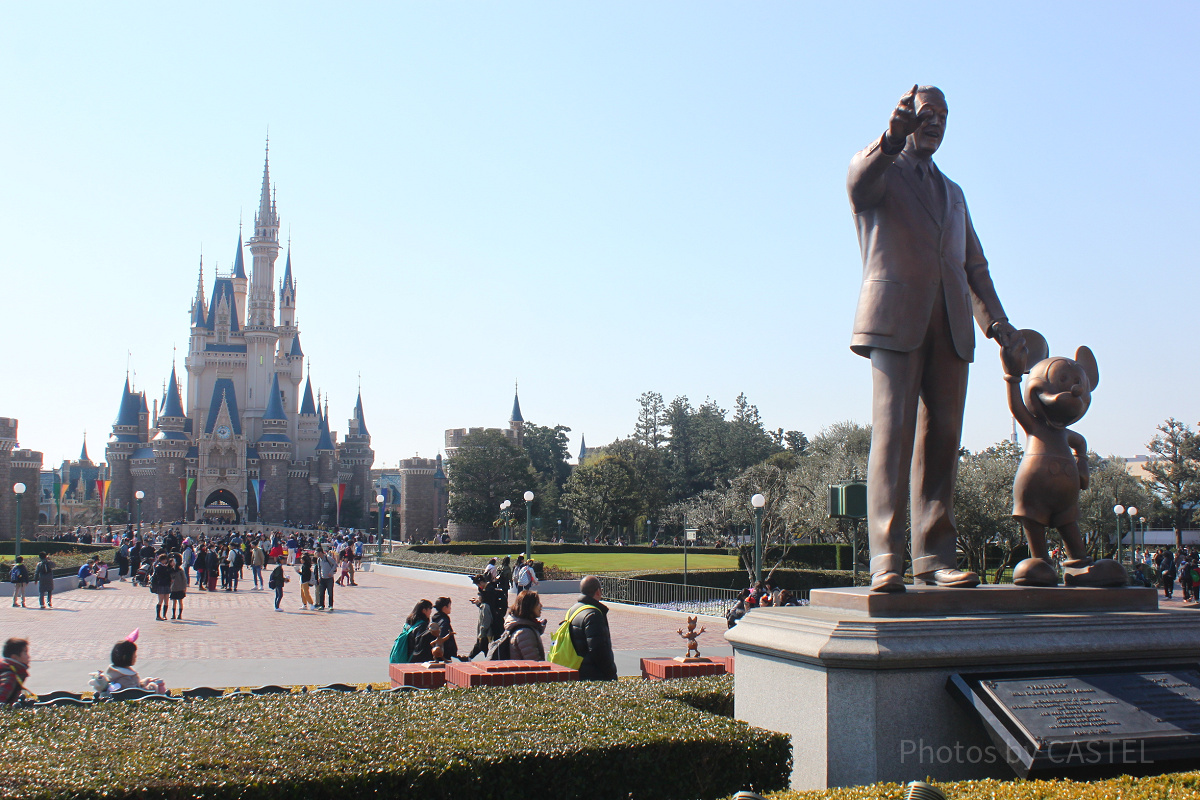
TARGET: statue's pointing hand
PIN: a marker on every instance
(904, 119)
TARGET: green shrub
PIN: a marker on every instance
(803, 556)
(518, 546)
(793, 579)
(31, 547)
(569, 740)
(66, 563)
(1173, 785)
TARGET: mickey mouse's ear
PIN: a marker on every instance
(1087, 360)
(1039, 350)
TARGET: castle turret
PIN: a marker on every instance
(170, 446)
(356, 458)
(124, 442)
(516, 422)
(239, 279)
(261, 335)
(274, 450)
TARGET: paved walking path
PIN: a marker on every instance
(237, 639)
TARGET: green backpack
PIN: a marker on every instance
(400, 648)
(562, 649)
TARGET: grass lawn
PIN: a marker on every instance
(620, 562)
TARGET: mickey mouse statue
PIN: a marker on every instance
(1054, 468)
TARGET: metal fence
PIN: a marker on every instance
(670, 596)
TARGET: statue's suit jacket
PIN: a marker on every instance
(910, 250)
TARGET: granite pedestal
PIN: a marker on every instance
(859, 680)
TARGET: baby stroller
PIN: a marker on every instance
(142, 576)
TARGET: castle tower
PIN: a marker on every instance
(325, 471)
(274, 449)
(222, 454)
(122, 445)
(170, 446)
(239, 279)
(356, 458)
(307, 425)
(8, 503)
(262, 337)
(516, 423)
(289, 362)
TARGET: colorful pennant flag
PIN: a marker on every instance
(258, 484)
(104, 496)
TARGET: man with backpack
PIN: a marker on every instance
(525, 577)
(18, 576)
(583, 640)
(44, 575)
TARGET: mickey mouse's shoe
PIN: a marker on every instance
(1035, 572)
(1085, 572)
(887, 582)
(951, 578)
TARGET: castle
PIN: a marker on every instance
(248, 444)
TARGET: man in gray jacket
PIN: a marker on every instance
(326, 570)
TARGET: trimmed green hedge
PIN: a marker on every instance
(65, 563)
(31, 547)
(518, 546)
(568, 740)
(804, 556)
(1172, 785)
(793, 579)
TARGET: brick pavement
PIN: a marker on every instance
(84, 624)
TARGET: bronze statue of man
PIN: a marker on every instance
(924, 274)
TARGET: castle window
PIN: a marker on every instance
(170, 469)
(160, 503)
(282, 504)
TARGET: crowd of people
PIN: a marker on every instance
(513, 629)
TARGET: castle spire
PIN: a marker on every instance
(516, 412)
(264, 200)
(358, 414)
(83, 456)
(173, 404)
(239, 265)
(199, 311)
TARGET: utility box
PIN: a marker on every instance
(848, 500)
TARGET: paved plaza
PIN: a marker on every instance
(237, 639)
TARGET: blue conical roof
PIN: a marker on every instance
(582, 448)
(296, 351)
(287, 271)
(131, 406)
(358, 415)
(173, 405)
(275, 404)
(326, 441)
(516, 412)
(83, 456)
(308, 405)
(239, 264)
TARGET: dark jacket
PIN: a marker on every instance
(591, 639)
(420, 643)
(12, 675)
(160, 580)
(450, 646)
(494, 599)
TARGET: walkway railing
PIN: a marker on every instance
(670, 596)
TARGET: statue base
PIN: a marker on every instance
(692, 660)
(859, 679)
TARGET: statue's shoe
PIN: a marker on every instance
(887, 582)
(1035, 572)
(1105, 573)
(950, 578)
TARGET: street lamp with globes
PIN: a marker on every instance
(1132, 512)
(758, 501)
(528, 525)
(379, 498)
(505, 515)
(140, 495)
(1118, 510)
(19, 491)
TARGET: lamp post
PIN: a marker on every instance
(758, 501)
(528, 525)
(140, 495)
(391, 529)
(1142, 530)
(689, 535)
(505, 515)
(379, 498)
(1118, 510)
(1132, 512)
(559, 529)
(19, 491)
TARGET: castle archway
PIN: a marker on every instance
(221, 504)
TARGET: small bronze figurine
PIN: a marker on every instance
(438, 652)
(1054, 468)
(691, 636)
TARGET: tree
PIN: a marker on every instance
(838, 453)
(487, 469)
(1174, 470)
(1109, 483)
(983, 502)
(796, 442)
(650, 474)
(548, 454)
(601, 492)
(652, 420)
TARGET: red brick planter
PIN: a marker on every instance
(416, 675)
(507, 673)
(666, 669)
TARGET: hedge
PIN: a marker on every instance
(517, 545)
(565, 740)
(1173, 785)
(65, 563)
(793, 579)
(31, 547)
(801, 556)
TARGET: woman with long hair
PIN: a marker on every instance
(305, 568)
(525, 628)
(160, 585)
(179, 585)
(420, 642)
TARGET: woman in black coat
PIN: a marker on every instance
(441, 617)
(420, 639)
(160, 585)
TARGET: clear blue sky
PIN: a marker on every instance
(596, 199)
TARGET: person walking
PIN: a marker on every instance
(420, 639)
(305, 568)
(123, 562)
(18, 576)
(277, 580)
(504, 575)
(179, 585)
(326, 571)
(525, 628)
(258, 560)
(160, 585)
(212, 568)
(186, 559)
(590, 636)
(43, 573)
(1167, 572)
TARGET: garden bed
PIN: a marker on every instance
(593, 740)
(1179, 785)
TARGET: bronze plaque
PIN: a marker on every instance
(1059, 721)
